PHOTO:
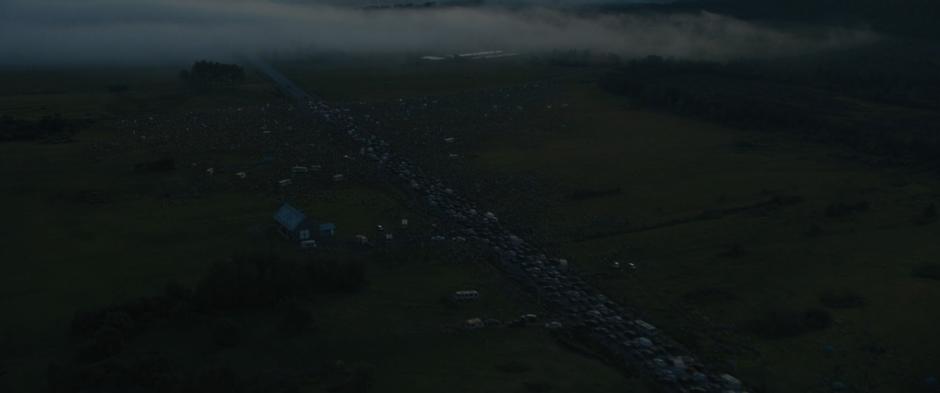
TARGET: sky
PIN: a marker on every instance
(49, 32)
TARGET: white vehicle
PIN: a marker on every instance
(731, 381)
(474, 323)
(643, 342)
(645, 325)
(553, 325)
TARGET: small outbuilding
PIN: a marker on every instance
(294, 225)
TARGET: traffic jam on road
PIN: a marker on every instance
(569, 299)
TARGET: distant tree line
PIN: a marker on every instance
(205, 74)
(909, 17)
(915, 18)
(374, 7)
(810, 100)
(578, 58)
(46, 127)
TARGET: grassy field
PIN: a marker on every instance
(89, 231)
(395, 327)
(84, 232)
(698, 272)
(731, 231)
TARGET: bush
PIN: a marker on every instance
(706, 296)
(267, 280)
(734, 251)
(816, 319)
(583, 194)
(537, 387)
(107, 342)
(206, 74)
(47, 127)
(161, 165)
(929, 271)
(248, 281)
(815, 230)
(225, 333)
(928, 216)
(842, 299)
(332, 276)
(296, 320)
(840, 209)
(137, 373)
(106, 332)
(782, 323)
(513, 367)
(214, 380)
(357, 378)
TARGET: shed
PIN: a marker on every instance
(294, 224)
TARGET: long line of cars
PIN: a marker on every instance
(574, 303)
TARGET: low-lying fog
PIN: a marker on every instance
(48, 32)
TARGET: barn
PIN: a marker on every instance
(294, 225)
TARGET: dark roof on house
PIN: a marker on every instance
(289, 217)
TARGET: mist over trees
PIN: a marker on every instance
(52, 32)
(906, 17)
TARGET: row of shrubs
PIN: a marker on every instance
(242, 283)
(759, 96)
(48, 126)
(155, 373)
(928, 215)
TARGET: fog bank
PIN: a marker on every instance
(49, 32)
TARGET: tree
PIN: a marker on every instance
(225, 333)
(206, 74)
(296, 320)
